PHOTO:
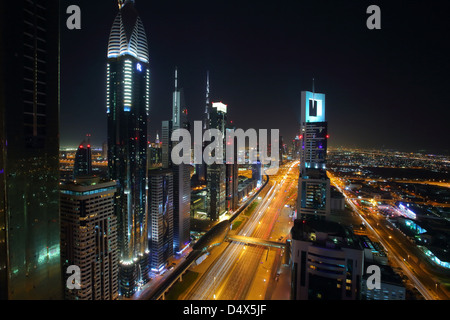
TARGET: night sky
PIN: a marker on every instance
(384, 88)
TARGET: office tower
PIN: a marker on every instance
(218, 117)
(296, 148)
(216, 191)
(29, 150)
(154, 156)
(282, 151)
(257, 171)
(216, 172)
(128, 94)
(83, 160)
(184, 118)
(314, 185)
(182, 206)
(166, 147)
(327, 261)
(181, 172)
(232, 176)
(105, 150)
(160, 217)
(232, 182)
(89, 237)
(200, 169)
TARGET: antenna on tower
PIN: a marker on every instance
(207, 87)
(205, 124)
(176, 78)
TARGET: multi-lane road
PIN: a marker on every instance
(401, 252)
(232, 275)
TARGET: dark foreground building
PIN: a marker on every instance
(327, 261)
(29, 150)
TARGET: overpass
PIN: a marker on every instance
(257, 241)
(284, 246)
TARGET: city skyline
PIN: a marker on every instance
(353, 202)
(378, 85)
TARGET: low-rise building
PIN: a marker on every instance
(391, 285)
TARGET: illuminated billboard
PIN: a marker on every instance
(313, 107)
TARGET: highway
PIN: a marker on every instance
(231, 275)
(400, 250)
(161, 284)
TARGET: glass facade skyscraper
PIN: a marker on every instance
(89, 237)
(29, 150)
(216, 172)
(313, 185)
(161, 217)
(83, 160)
(128, 94)
(181, 177)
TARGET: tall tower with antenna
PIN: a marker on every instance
(181, 172)
(201, 169)
(127, 108)
(314, 185)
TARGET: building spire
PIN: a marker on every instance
(207, 87)
(176, 78)
(124, 2)
(205, 125)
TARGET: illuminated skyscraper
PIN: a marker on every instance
(182, 206)
(105, 150)
(257, 171)
(166, 143)
(29, 150)
(200, 169)
(89, 237)
(216, 172)
(314, 185)
(232, 176)
(83, 160)
(154, 156)
(127, 107)
(161, 217)
(181, 172)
